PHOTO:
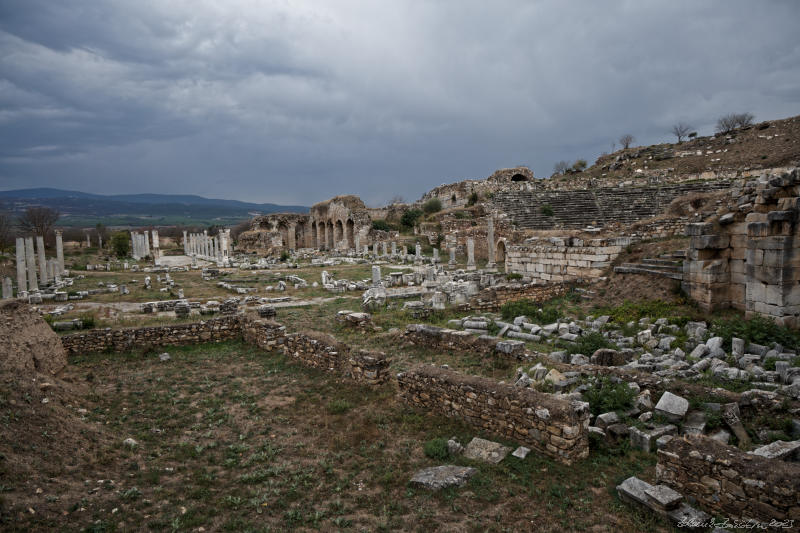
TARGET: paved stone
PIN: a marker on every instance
(634, 490)
(485, 450)
(664, 497)
(440, 477)
(784, 450)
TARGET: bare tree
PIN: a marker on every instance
(6, 230)
(626, 140)
(681, 130)
(38, 220)
(560, 167)
(732, 121)
(397, 199)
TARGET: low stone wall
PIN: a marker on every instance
(729, 482)
(449, 339)
(558, 259)
(121, 340)
(555, 427)
(492, 298)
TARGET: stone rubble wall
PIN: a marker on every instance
(448, 339)
(120, 340)
(749, 259)
(555, 427)
(730, 482)
(557, 259)
(491, 298)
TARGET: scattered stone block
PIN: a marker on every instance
(485, 450)
(663, 497)
(440, 477)
(783, 450)
(672, 406)
(521, 452)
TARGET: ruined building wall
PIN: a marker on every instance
(340, 223)
(457, 194)
(749, 259)
(564, 259)
(729, 481)
(555, 427)
(273, 233)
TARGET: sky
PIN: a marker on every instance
(294, 102)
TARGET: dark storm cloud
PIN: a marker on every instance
(294, 102)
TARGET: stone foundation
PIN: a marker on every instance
(729, 482)
(491, 298)
(555, 427)
(557, 259)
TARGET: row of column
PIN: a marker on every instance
(203, 246)
(28, 275)
(140, 244)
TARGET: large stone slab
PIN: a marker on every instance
(440, 477)
(784, 450)
(485, 450)
(672, 406)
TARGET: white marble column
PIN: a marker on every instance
(185, 243)
(30, 262)
(60, 252)
(471, 254)
(42, 259)
(490, 239)
(22, 278)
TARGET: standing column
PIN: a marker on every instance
(418, 253)
(435, 255)
(490, 239)
(394, 249)
(134, 244)
(452, 261)
(291, 239)
(384, 248)
(205, 244)
(146, 243)
(30, 261)
(88, 241)
(22, 279)
(156, 245)
(60, 252)
(357, 240)
(185, 243)
(8, 290)
(471, 254)
(42, 259)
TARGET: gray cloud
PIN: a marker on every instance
(295, 102)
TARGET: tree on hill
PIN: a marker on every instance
(121, 243)
(681, 130)
(626, 140)
(580, 165)
(561, 167)
(434, 205)
(732, 121)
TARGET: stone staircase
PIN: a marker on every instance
(581, 208)
(666, 266)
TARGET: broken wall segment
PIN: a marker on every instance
(728, 481)
(555, 427)
(557, 259)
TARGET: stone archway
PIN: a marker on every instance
(338, 233)
(284, 231)
(500, 255)
(314, 238)
(331, 242)
(300, 235)
(350, 233)
(519, 177)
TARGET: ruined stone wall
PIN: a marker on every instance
(121, 340)
(491, 298)
(730, 482)
(340, 223)
(556, 259)
(749, 258)
(448, 339)
(457, 194)
(553, 426)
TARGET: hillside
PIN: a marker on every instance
(85, 209)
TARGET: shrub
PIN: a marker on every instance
(461, 215)
(337, 407)
(580, 165)
(513, 276)
(473, 199)
(434, 205)
(120, 243)
(590, 343)
(547, 210)
(381, 225)
(437, 449)
(758, 330)
(410, 218)
(285, 256)
(543, 314)
(604, 396)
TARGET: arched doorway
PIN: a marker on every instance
(500, 255)
(314, 239)
(518, 177)
(300, 235)
(331, 241)
(338, 233)
(284, 231)
(351, 243)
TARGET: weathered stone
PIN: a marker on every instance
(485, 450)
(672, 406)
(783, 450)
(440, 477)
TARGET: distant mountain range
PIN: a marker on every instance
(85, 209)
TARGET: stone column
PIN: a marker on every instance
(22, 279)
(490, 239)
(134, 246)
(357, 239)
(42, 259)
(375, 249)
(60, 252)
(394, 249)
(384, 248)
(156, 245)
(30, 261)
(146, 243)
(418, 252)
(185, 243)
(205, 244)
(435, 255)
(100, 241)
(376, 275)
(8, 289)
(452, 261)
(88, 241)
(471, 254)
(290, 237)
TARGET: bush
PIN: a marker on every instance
(434, 205)
(758, 330)
(547, 210)
(473, 199)
(121, 243)
(542, 314)
(590, 343)
(604, 396)
(337, 407)
(513, 276)
(285, 256)
(632, 311)
(580, 165)
(410, 218)
(437, 449)
(381, 225)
